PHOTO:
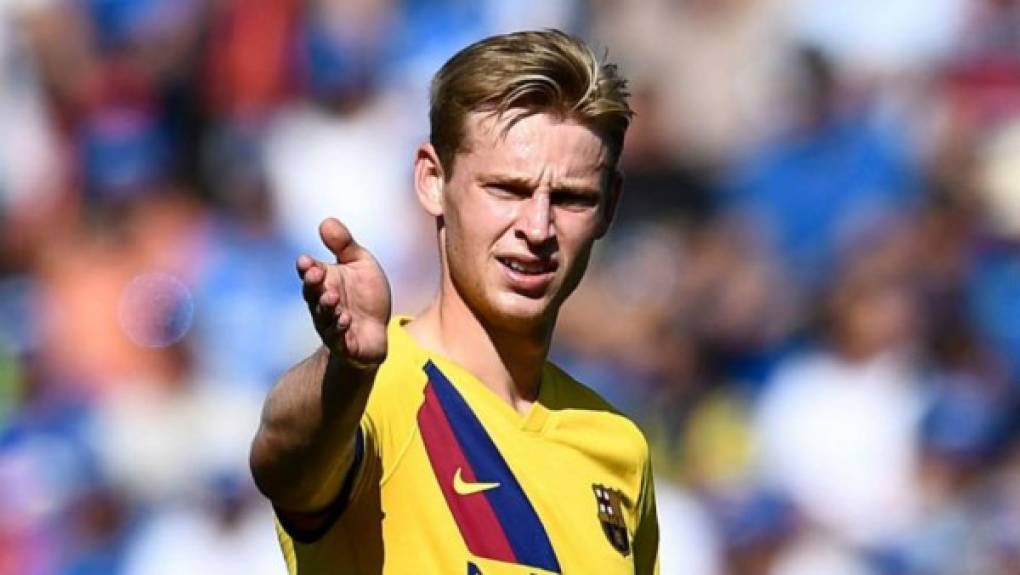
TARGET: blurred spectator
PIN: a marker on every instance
(246, 280)
(346, 150)
(96, 532)
(757, 526)
(227, 530)
(716, 66)
(93, 313)
(49, 472)
(159, 442)
(963, 433)
(32, 174)
(832, 170)
(837, 428)
(994, 281)
(250, 64)
(660, 187)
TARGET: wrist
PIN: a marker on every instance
(336, 360)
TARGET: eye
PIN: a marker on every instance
(507, 190)
(574, 199)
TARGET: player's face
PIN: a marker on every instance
(521, 212)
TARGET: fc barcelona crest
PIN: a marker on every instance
(610, 504)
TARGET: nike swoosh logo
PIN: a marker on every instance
(461, 487)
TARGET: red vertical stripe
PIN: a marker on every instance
(473, 514)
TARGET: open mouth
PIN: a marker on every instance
(531, 268)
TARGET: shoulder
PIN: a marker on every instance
(578, 404)
(397, 391)
(402, 374)
(571, 393)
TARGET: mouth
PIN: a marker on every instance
(529, 277)
(528, 267)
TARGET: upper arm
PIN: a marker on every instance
(365, 467)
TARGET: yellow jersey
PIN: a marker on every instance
(449, 478)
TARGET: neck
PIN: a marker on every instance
(509, 362)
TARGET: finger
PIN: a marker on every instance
(339, 240)
(332, 324)
(343, 320)
(329, 300)
(303, 264)
(334, 311)
(312, 284)
(325, 311)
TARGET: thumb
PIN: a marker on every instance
(339, 240)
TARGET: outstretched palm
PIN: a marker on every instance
(349, 299)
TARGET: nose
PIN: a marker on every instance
(536, 219)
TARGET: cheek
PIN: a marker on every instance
(574, 273)
(576, 245)
(577, 232)
(482, 222)
(467, 242)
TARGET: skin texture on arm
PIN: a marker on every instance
(305, 443)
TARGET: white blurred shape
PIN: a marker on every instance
(878, 34)
(688, 544)
(160, 443)
(190, 540)
(839, 437)
(355, 167)
(815, 556)
(29, 152)
(531, 14)
(1000, 180)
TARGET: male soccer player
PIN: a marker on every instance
(446, 443)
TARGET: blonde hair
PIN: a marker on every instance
(527, 73)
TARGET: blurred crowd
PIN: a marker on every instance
(810, 300)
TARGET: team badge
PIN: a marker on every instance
(610, 503)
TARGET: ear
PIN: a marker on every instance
(429, 179)
(613, 191)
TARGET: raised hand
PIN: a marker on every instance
(349, 299)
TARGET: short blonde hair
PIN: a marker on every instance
(527, 73)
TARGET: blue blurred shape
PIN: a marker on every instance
(118, 22)
(758, 517)
(124, 151)
(964, 419)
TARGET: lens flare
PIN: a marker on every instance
(156, 310)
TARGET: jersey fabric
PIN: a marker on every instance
(450, 479)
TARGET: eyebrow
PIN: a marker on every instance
(522, 182)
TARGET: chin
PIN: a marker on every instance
(522, 313)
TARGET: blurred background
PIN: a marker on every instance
(810, 300)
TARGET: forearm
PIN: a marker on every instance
(305, 443)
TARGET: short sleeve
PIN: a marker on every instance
(646, 535)
(308, 527)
